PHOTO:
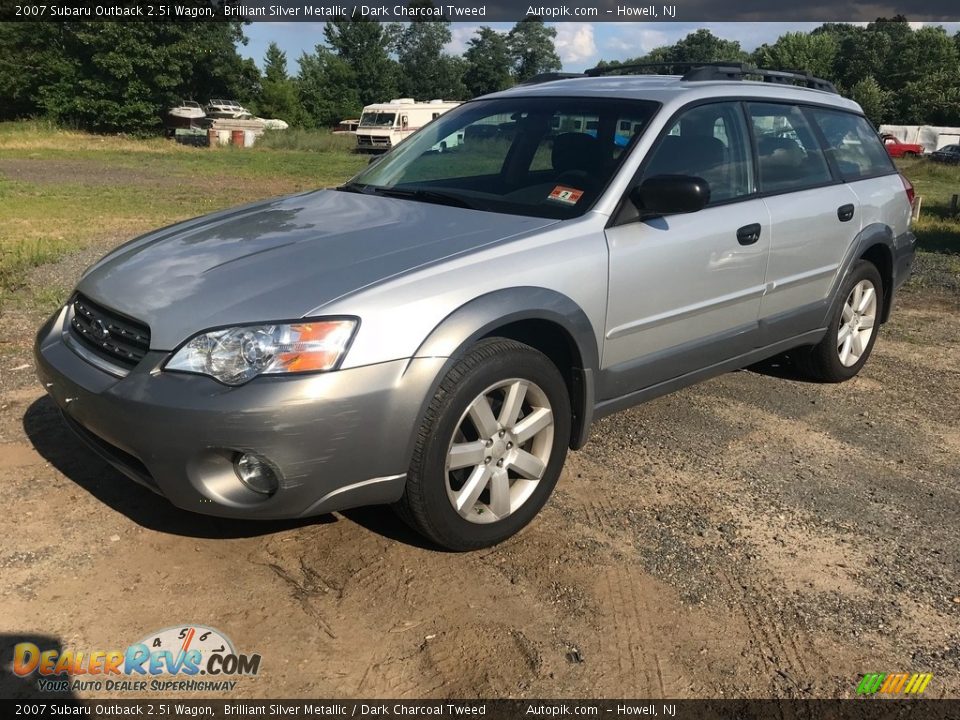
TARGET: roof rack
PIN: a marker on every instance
(550, 77)
(616, 69)
(700, 72)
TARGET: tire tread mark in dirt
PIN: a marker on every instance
(776, 653)
(302, 594)
(631, 630)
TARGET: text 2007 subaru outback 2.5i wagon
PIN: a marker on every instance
(439, 330)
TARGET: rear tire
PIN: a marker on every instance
(490, 448)
(852, 330)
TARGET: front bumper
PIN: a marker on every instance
(339, 440)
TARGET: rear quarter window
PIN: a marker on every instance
(854, 145)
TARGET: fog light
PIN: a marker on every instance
(256, 473)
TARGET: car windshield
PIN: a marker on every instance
(541, 156)
(375, 119)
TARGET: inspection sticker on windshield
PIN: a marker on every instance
(566, 195)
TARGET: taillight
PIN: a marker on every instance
(908, 186)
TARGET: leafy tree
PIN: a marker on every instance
(362, 43)
(450, 86)
(31, 58)
(278, 95)
(860, 55)
(875, 101)
(919, 53)
(704, 46)
(119, 76)
(531, 48)
(935, 100)
(698, 47)
(420, 45)
(327, 88)
(813, 53)
(488, 63)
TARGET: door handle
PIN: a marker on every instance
(845, 212)
(748, 234)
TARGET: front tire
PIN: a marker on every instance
(852, 331)
(490, 449)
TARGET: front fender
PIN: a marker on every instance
(482, 316)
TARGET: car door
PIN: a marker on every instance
(684, 290)
(815, 219)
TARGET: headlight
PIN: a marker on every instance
(236, 355)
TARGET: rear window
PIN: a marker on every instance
(854, 145)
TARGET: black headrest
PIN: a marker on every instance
(576, 151)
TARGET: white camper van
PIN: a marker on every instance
(385, 124)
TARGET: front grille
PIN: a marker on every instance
(109, 335)
(371, 140)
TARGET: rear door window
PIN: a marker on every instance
(788, 155)
(855, 147)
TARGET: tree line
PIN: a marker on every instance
(117, 77)
(122, 77)
(897, 74)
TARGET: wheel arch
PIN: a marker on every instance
(544, 319)
(876, 244)
(881, 256)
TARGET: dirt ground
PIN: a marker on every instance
(753, 536)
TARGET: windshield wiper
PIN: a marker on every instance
(423, 195)
(351, 187)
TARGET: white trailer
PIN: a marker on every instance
(383, 125)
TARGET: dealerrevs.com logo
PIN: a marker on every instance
(182, 658)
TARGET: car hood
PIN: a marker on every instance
(282, 259)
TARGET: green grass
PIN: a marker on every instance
(62, 190)
(936, 230)
(937, 265)
(306, 140)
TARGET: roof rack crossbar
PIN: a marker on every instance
(701, 72)
(550, 77)
(616, 69)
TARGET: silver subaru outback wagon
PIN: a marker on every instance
(438, 331)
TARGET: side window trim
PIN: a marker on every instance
(822, 141)
(754, 158)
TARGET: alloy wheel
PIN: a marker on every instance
(499, 451)
(857, 324)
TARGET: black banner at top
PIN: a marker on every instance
(476, 11)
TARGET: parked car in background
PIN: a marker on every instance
(437, 332)
(947, 154)
(897, 149)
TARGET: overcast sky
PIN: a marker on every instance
(580, 45)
